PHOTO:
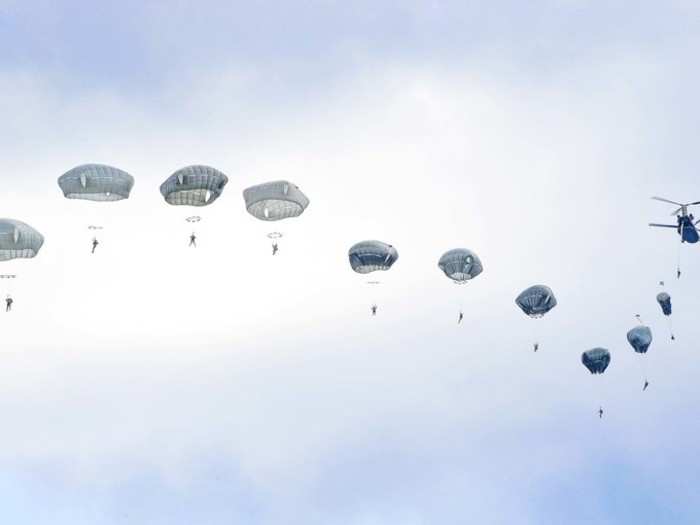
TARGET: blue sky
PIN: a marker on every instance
(219, 386)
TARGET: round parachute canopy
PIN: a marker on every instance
(193, 186)
(96, 182)
(460, 265)
(274, 201)
(596, 360)
(664, 301)
(371, 256)
(18, 240)
(640, 338)
(536, 300)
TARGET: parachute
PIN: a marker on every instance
(640, 338)
(193, 186)
(536, 300)
(96, 182)
(460, 265)
(596, 360)
(274, 201)
(371, 256)
(664, 301)
(18, 240)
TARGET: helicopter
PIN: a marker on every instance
(686, 225)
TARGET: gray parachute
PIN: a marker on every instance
(274, 201)
(664, 301)
(536, 300)
(18, 240)
(460, 265)
(640, 338)
(372, 256)
(96, 182)
(596, 360)
(193, 186)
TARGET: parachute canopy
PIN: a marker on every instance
(96, 182)
(193, 186)
(370, 256)
(18, 240)
(274, 201)
(460, 265)
(664, 301)
(640, 338)
(596, 360)
(536, 300)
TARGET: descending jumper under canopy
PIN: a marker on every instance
(193, 186)
(274, 201)
(640, 338)
(18, 240)
(372, 256)
(536, 300)
(596, 360)
(460, 265)
(96, 182)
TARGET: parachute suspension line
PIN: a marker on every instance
(643, 368)
(670, 327)
(601, 395)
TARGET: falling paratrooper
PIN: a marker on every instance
(460, 265)
(275, 201)
(96, 183)
(17, 241)
(640, 338)
(535, 302)
(664, 300)
(596, 361)
(371, 256)
(195, 185)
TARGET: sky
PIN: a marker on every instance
(154, 383)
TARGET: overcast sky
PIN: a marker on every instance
(153, 383)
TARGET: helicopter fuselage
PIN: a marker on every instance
(686, 229)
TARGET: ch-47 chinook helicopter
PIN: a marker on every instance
(686, 225)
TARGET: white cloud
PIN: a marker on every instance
(153, 356)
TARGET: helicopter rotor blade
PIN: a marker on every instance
(655, 225)
(679, 210)
(667, 201)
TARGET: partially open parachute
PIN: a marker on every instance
(664, 301)
(596, 360)
(640, 338)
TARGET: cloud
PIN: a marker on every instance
(158, 383)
